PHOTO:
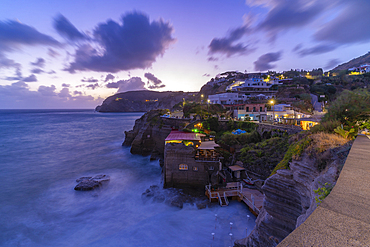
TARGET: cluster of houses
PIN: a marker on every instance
(236, 102)
(365, 68)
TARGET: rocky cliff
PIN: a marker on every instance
(149, 133)
(290, 199)
(142, 101)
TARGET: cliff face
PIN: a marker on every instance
(142, 101)
(289, 198)
(149, 134)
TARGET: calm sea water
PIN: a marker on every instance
(43, 152)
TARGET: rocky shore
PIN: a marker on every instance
(149, 133)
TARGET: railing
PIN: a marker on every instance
(236, 189)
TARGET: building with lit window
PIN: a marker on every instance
(189, 161)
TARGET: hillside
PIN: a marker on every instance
(354, 62)
(142, 101)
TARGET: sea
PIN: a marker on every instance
(43, 152)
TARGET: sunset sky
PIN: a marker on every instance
(73, 54)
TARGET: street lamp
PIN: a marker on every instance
(208, 107)
(202, 98)
(272, 102)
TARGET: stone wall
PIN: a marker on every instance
(198, 173)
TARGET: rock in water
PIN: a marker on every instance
(90, 183)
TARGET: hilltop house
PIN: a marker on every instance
(253, 87)
(361, 69)
(187, 164)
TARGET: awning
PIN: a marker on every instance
(184, 136)
(236, 168)
(208, 145)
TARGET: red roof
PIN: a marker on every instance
(181, 136)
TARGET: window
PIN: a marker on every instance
(254, 108)
(211, 168)
(195, 168)
(183, 167)
(260, 108)
(247, 108)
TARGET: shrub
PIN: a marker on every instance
(327, 127)
(294, 152)
(323, 192)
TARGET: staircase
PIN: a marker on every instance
(223, 199)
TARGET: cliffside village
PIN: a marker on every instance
(191, 159)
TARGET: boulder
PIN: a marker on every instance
(90, 183)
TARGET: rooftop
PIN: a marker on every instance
(184, 136)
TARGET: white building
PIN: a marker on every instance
(227, 98)
(249, 84)
(365, 68)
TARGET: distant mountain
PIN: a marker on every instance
(142, 101)
(354, 62)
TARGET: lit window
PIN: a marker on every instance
(195, 168)
(183, 167)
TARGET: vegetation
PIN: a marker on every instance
(263, 156)
(350, 107)
(323, 192)
(294, 152)
(230, 139)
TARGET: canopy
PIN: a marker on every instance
(236, 168)
(183, 136)
(208, 145)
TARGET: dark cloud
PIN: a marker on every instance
(318, 49)
(109, 77)
(350, 26)
(66, 29)
(227, 44)
(136, 43)
(331, 64)
(153, 82)
(212, 59)
(290, 14)
(31, 78)
(91, 79)
(93, 86)
(263, 63)
(77, 93)
(66, 85)
(40, 62)
(64, 93)
(152, 78)
(47, 91)
(37, 71)
(13, 34)
(53, 53)
(206, 75)
(132, 84)
(51, 72)
(156, 86)
(8, 63)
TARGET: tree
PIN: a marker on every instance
(350, 107)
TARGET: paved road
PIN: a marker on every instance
(315, 103)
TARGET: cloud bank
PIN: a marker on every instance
(135, 43)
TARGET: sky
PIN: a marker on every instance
(73, 54)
